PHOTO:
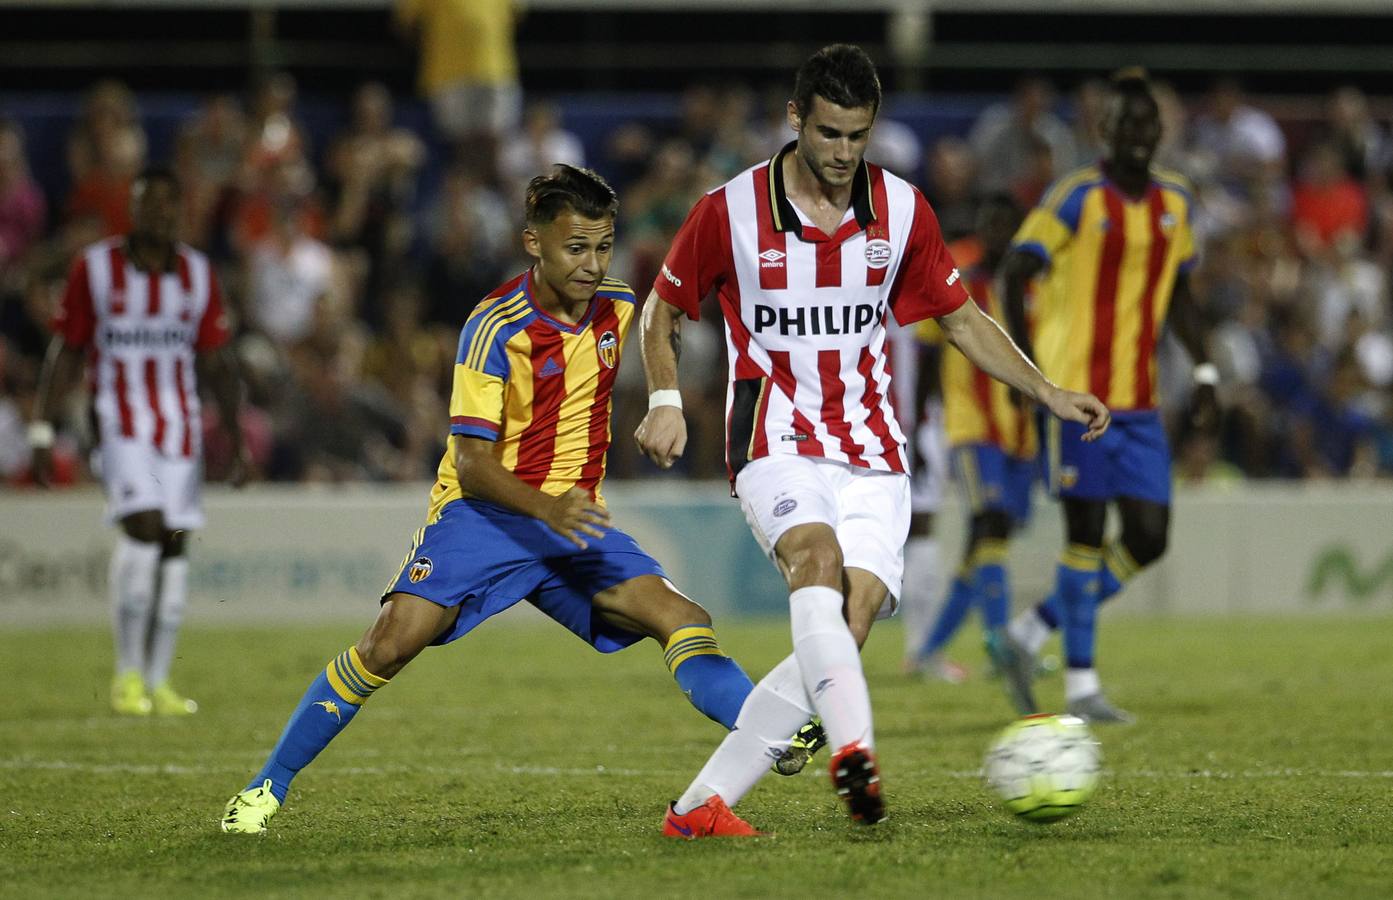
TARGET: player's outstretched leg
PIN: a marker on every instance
(776, 707)
(405, 625)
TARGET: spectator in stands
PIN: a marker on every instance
(1086, 122)
(1362, 142)
(275, 136)
(952, 171)
(1242, 144)
(288, 276)
(469, 68)
(208, 160)
(1007, 136)
(896, 147)
(23, 211)
(473, 241)
(1329, 207)
(106, 149)
(541, 143)
(372, 170)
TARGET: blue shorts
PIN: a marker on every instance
(484, 559)
(1131, 459)
(992, 479)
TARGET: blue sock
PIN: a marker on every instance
(712, 681)
(1077, 587)
(1116, 559)
(950, 617)
(989, 577)
(327, 707)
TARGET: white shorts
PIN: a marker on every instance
(138, 478)
(868, 509)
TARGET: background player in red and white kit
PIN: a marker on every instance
(138, 312)
(808, 253)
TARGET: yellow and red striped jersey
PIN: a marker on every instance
(1113, 262)
(538, 388)
(977, 409)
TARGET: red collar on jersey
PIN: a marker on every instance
(786, 217)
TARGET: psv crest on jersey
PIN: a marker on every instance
(608, 349)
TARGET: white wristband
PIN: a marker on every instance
(41, 435)
(1206, 373)
(671, 397)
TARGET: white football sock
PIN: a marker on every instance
(921, 593)
(1029, 630)
(174, 591)
(132, 585)
(831, 665)
(1080, 683)
(768, 720)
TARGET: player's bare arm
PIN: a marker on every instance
(983, 342)
(1185, 321)
(221, 374)
(62, 369)
(662, 435)
(573, 515)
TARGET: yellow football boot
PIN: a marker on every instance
(249, 811)
(128, 695)
(168, 702)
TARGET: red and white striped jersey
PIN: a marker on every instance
(805, 312)
(141, 330)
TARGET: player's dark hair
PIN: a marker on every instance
(841, 74)
(159, 173)
(1131, 82)
(567, 187)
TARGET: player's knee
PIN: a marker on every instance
(146, 527)
(1146, 545)
(992, 524)
(816, 561)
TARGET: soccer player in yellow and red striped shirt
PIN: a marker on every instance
(516, 512)
(992, 446)
(1115, 241)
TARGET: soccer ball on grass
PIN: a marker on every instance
(1044, 767)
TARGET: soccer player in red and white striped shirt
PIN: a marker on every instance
(808, 253)
(138, 312)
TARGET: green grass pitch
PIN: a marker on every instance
(517, 762)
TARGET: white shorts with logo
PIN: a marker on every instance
(868, 509)
(138, 478)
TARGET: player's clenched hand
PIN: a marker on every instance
(662, 435)
(574, 515)
(1083, 408)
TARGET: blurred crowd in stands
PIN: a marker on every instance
(349, 273)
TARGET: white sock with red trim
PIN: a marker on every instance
(831, 665)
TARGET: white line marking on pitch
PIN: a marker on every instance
(38, 765)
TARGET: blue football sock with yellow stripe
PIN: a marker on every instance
(1118, 569)
(714, 682)
(989, 577)
(327, 707)
(1077, 587)
(955, 608)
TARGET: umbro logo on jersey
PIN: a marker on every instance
(667, 273)
(952, 277)
(550, 368)
(773, 259)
